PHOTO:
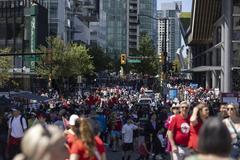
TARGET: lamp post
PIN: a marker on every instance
(163, 57)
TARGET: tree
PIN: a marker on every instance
(5, 65)
(100, 59)
(146, 49)
(63, 60)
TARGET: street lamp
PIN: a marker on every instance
(163, 56)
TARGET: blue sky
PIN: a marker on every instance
(187, 4)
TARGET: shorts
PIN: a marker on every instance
(127, 147)
(115, 134)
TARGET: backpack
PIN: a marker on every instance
(21, 121)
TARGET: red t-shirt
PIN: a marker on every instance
(193, 139)
(100, 145)
(180, 128)
(80, 149)
(70, 139)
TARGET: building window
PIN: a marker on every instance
(236, 7)
(219, 30)
(236, 28)
(236, 54)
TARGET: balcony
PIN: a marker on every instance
(132, 26)
(132, 40)
(133, 2)
(132, 14)
(133, 33)
(131, 20)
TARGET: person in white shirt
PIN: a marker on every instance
(127, 137)
(17, 126)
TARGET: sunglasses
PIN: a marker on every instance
(228, 109)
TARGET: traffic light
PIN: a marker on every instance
(123, 59)
(162, 58)
(174, 67)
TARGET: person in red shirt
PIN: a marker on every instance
(71, 133)
(178, 133)
(200, 114)
(87, 146)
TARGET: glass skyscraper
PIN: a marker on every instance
(148, 8)
(116, 23)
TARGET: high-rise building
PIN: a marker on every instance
(126, 19)
(132, 26)
(98, 29)
(116, 25)
(59, 18)
(69, 19)
(169, 28)
(148, 9)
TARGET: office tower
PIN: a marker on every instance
(147, 23)
(169, 29)
(132, 26)
(98, 29)
(116, 24)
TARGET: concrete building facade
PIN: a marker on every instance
(169, 11)
(213, 40)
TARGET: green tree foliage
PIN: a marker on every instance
(64, 60)
(5, 65)
(100, 60)
(151, 63)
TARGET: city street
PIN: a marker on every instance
(161, 76)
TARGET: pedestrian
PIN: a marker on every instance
(17, 126)
(127, 137)
(43, 143)
(174, 111)
(87, 146)
(178, 133)
(233, 125)
(153, 128)
(214, 141)
(199, 115)
(142, 149)
(223, 111)
(71, 133)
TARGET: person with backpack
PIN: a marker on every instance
(17, 126)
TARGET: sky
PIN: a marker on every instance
(187, 4)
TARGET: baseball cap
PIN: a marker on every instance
(15, 108)
(72, 119)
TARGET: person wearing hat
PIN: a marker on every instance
(179, 132)
(70, 134)
(174, 110)
(17, 126)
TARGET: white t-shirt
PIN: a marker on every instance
(127, 132)
(17, 128)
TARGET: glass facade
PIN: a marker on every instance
(116, 25)
(148, 25)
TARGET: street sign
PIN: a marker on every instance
(134, 61)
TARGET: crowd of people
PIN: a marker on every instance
(81, 128)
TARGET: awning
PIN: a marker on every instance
(202, 69)
(204, 15)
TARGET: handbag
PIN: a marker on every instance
(237, 144)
